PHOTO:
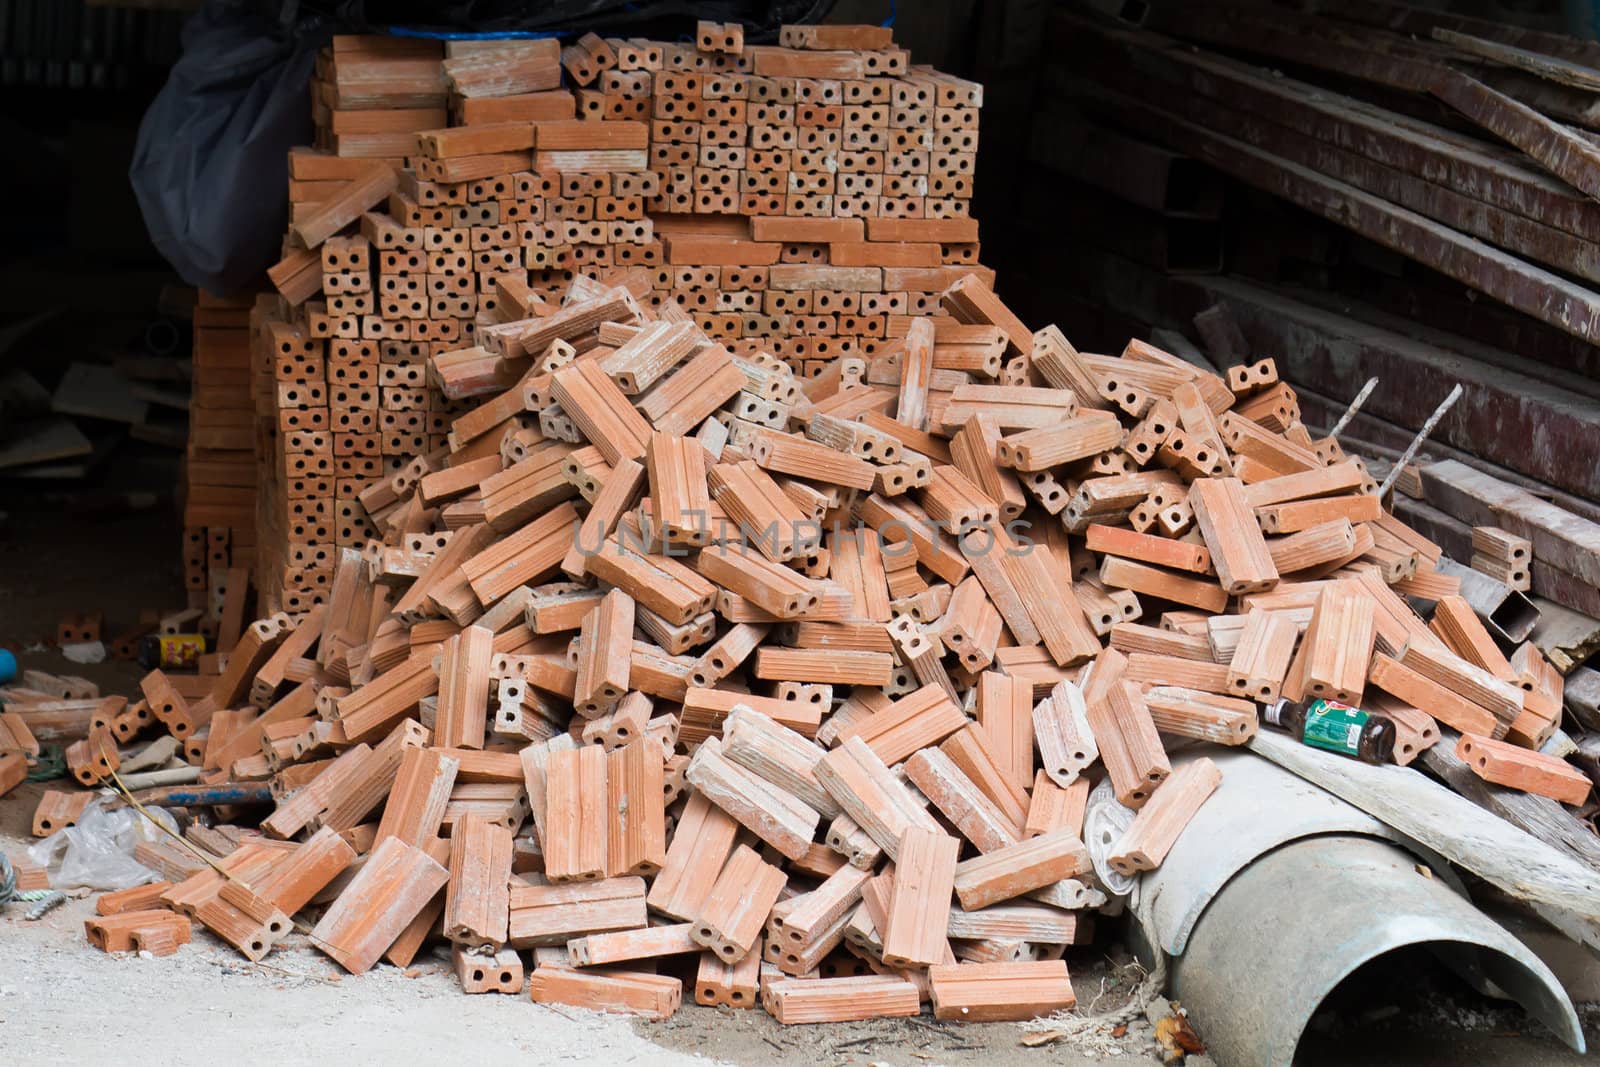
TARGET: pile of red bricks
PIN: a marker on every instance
(811, 715)
(601, 640)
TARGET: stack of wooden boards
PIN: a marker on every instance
(805, 200)
(1317, 148)
(64, 414)
(804, 709)
(1460, 145)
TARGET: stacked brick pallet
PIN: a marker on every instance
(809, 716)
(805, 201)
(371, 96)
(831, 153)
(841, 181)
(221, 466)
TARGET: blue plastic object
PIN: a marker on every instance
(1582, 18)
(8, 666)
(467, 35)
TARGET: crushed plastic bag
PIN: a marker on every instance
(85, 652)
(97, 852)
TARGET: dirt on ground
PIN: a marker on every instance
(62, 1002)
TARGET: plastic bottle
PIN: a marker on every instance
(8, 666)
(1336, 727)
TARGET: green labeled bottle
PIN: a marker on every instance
(1336, 727)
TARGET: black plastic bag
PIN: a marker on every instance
(665, 19)
(210, 168)
(211, 165)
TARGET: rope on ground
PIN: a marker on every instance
(8, 879)
(41, 899)
(1093, 1031)
(44, 901)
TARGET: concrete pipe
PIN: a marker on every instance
(1278, 891)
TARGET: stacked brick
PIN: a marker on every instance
(371, 96)
(828, 158)
(806, 201)
(310, 464)
(220, 464)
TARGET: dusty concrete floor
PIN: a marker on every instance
(298, 1007)
(61, 1002)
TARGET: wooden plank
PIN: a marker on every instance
(1561, 151)
(42, 441)
(97, 391)
(1542, 294)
